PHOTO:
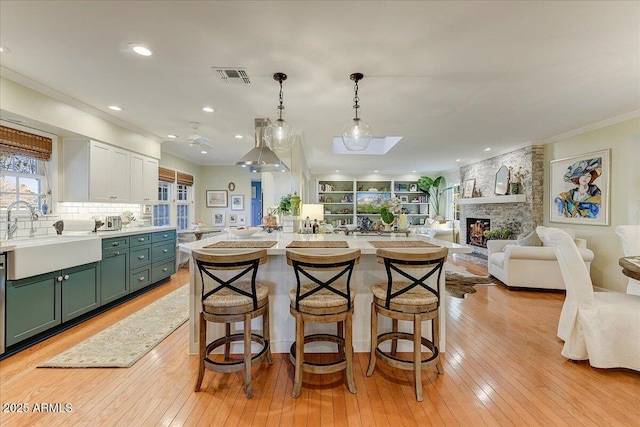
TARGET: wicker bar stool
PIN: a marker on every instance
(323, 294)
(230, 293)
(408, 297)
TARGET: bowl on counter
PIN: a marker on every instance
(244, 231)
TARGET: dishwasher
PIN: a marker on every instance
(3, 299)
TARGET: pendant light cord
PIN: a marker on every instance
(280, 108)
(356, 99)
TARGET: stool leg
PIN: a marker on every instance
(417, 355)
(348, 349)
(227, 346)
(435, 334)
(394, 342)
(267, 334)
(340, 333)
(297, 382)
(247, 355)
(202, 344)
(374, 340)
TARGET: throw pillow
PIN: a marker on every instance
(530, 239)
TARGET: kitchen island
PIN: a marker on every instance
(281, 276)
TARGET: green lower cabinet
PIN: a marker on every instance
(114, 275)
(139, 278)
(161, 270)
(33, 305)
(80, 290)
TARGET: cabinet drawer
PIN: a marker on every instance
(139, 256)
(161, 251)
(139, 239)
(115, 242)
(139, 278)
(163, 269)
(163, 236)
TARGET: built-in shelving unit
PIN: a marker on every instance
(347, 200)
(512, 198)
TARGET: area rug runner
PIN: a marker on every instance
(317, 244)
(124, 343)
(243, 244)
(379, 244)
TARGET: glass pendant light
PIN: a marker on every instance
(280, 135)
(356, 135)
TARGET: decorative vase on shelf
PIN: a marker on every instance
(403, 222)
(388, 226)
(44, 208)
(515, 188)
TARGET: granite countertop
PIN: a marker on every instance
(356, 241)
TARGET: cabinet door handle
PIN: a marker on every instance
(115, 243)
(164, 269)
(116, 253)
(140, 239)
(141, 279)
(59, 278)
(166, 235)
(165, 251)
(141, 257)
(66, 277)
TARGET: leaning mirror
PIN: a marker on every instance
(502, 181)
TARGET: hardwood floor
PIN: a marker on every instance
(502, 367)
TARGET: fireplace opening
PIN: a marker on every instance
(475, 231)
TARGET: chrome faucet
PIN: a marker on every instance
(12, 228)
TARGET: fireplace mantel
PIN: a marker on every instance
(512, 198)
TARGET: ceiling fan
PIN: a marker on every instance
(195, 139)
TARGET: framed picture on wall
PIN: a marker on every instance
(216, 198)
(219, 218)
(242, 220)
(233, 219)
(469, 185)
(237, 203)
(579, 189)
(413, 187)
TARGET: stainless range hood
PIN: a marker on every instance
(261, 158)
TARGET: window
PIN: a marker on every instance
(182, 201)
(21, 178)
(161, 211)
(167, 207)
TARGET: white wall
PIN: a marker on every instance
(624, 141)
(25, 102)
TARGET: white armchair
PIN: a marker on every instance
(630, 238)
(603, 327)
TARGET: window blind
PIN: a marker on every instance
(185, 179)
(166, 175)
(15, 141)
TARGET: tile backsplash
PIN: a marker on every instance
(65, 210)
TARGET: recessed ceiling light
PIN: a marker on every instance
(457, 160)
(337, 170)
(239, 136)
(4, 49)
(376, 171)
(140, 49)
(414, 171)
(207, 109)
(115, 108)
(203, 152)
(172, 136)
(487, 149)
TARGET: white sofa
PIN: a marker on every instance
(533, 267)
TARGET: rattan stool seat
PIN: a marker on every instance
(414, 300)
(323, 295)
(228, 298)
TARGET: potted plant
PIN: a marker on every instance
(387, 217)
(431, 187)
(284, 206)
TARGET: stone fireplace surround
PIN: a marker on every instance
(523, 216)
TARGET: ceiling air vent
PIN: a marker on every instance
(233, 75)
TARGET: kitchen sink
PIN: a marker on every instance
(39, 255)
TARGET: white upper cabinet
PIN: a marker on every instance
(98, 172)
(144, 179)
